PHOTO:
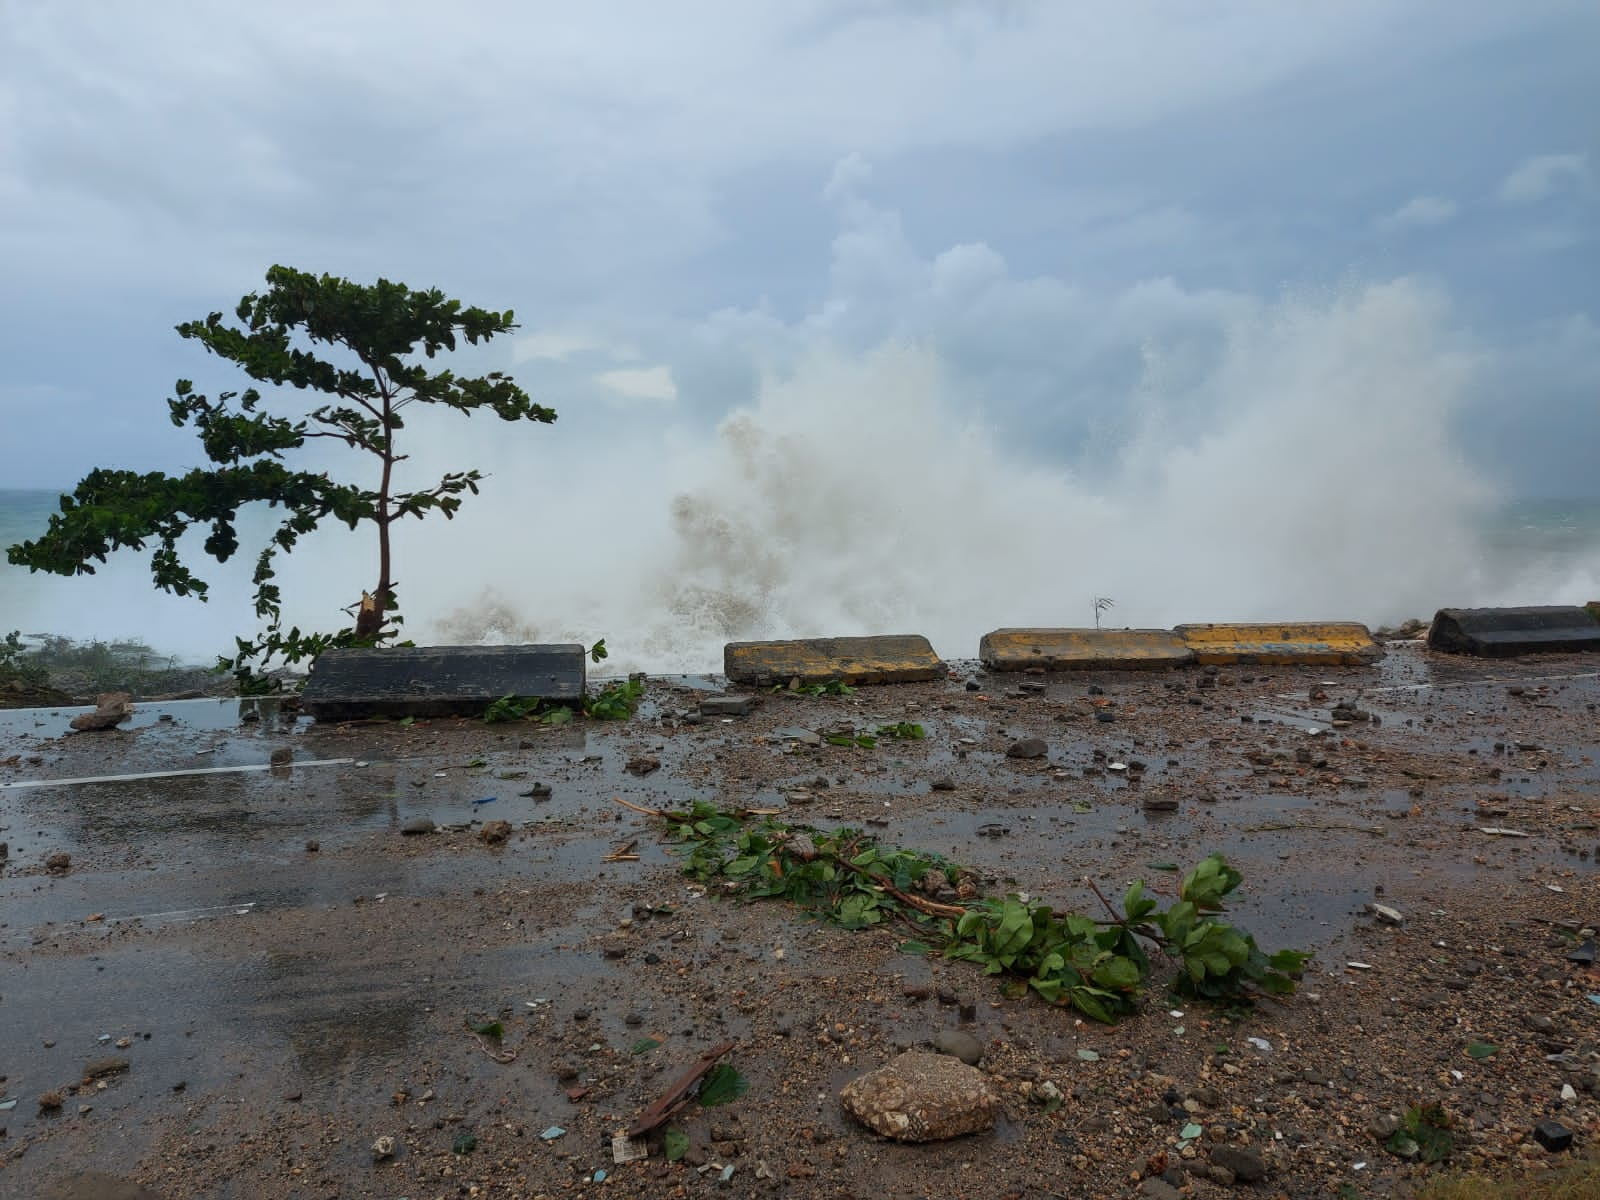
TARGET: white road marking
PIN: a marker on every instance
(39, 783)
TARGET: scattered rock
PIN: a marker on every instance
(1244, 1161)
(643, 765)
(104, 1066)
(727, 706)
(1552, 1135)
(494, 832)
(110, 711)
(1383, 1126)
(1159, 1189)
(921, 1097)
(1161, 804)
(383, 1148)
(1028, 748)
(60, 862)
(312, 846)
(943, 784)
(416, 825)
(960, 1045)
(281, 757)
(50, 1102)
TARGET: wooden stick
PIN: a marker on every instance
(678, 1094)
(639, 808)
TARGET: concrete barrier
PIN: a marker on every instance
(1502, 632)
(1083, 649)
(889, 658)
(1286, 643)
(436, 681)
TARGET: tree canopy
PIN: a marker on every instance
(356, 344)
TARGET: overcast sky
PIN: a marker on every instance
(1070, 204)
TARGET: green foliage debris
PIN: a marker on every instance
(1100, 967)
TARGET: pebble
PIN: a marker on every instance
(1028, 748)
(959, 1045)
(1244, 1161)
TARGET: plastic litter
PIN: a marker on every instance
(554, 1132)
(486, 800)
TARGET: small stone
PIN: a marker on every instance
(99, 1067)
(1161, 804)
(643, 765)
(313, 846)
(418, 825)
(960, 1045)
(1244, 1161)
(727, 706)
(1552, 1135)
(1028, 748)
(383, 1148)
(1383, 1126)
(50, 1102)
(1159, 1189)
(921, 1097)
(494, 832)
(60, 862)
(943, 784)
(281, 757)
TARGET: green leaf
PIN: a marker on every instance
(644, 1045)
(492, 1029)
(722, 1085)
(922, 949)
(1481, 1050)
(465, 1143)
(674, 1143)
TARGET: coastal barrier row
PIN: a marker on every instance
(463, 679)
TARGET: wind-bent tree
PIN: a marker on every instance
(363, 344)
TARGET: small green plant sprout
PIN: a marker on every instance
(904, 730)
(1424, 1134)
(614, 702)
(833, 687)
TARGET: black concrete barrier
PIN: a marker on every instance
(1503, 632)
(438, 681)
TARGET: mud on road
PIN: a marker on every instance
(224, 1011)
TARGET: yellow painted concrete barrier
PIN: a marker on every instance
(1083, 649)
(888, 658)
(1285, 643)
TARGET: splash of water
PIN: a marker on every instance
(1310, 471)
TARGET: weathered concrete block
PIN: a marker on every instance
(431, 681)
(1501, 632)
(888, 658)
(1083, 649)
(1282, 644)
